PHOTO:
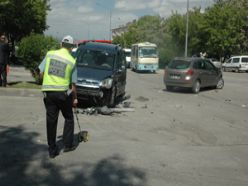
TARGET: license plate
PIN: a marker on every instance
(174, 77)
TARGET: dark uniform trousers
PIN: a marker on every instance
(56, 101)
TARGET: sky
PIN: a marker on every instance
(93, 19)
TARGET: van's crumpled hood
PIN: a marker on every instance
(97, 75)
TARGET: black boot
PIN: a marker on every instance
(53, 151)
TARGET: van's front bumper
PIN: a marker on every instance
(83, 92)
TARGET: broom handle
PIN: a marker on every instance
(77, 119)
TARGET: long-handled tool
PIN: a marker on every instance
(82, 135)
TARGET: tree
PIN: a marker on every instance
(224, 23)
(19, 18)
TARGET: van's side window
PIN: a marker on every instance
(244, 60)
(235, 60)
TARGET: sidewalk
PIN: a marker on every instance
(19, 74)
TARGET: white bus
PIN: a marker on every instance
(144, 57)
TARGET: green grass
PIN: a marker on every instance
(23, 84)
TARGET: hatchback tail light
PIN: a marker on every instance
(190, 72)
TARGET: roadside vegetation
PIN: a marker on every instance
(220, 31)
(21, 84)
(32, 50)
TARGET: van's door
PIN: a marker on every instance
(235, 63)
(244, 63)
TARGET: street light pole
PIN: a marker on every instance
(187, 30)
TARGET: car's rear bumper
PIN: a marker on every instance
(186, 84)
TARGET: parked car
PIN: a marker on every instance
(236, 64)
(101, 70)
(193, 73)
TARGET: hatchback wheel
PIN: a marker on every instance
(220, 83)
(196, 87)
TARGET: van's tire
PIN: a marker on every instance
(220, 83)
(196, 87)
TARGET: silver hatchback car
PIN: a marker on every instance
(193, 73)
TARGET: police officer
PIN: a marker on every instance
(59, 77)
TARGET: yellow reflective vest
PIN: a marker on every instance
(58, 70)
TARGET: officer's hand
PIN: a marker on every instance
(75, 102)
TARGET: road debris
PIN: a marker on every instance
(123, 107)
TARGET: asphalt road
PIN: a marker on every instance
(172, 138)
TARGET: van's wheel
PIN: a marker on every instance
(220, 83)
(196, 87)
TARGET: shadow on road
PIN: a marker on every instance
(24, 162)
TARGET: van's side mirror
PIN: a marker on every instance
(123, 67)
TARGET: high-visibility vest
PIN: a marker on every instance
(58, 70)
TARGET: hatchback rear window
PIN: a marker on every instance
(179, 64)
(244, 60)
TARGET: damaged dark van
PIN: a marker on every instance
(101, 69)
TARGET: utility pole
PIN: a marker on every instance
(110, 18)
(187, 30)
(110, 24)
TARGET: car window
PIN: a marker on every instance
(179, 64)
(95, 59)
(201, 65)
(209, 66)
(244, 59)
(235, 60)
(197, 65)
